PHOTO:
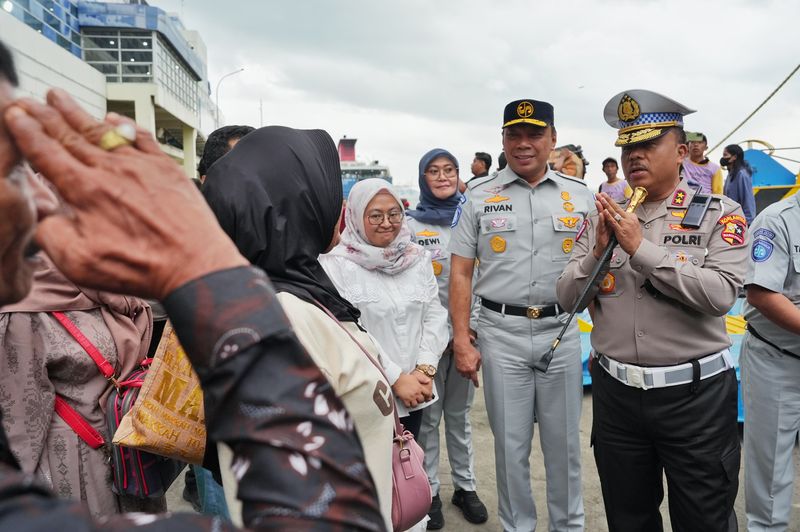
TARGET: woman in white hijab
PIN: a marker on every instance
(390, 280)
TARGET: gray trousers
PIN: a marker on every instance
(455, 401)
(510, 345)
(771, 393)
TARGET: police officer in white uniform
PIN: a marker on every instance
(430, 228)
(521, 225)
(771, 365)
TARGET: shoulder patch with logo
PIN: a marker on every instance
(456, 215)
(734, 228)
(764, 232)
(762, 250)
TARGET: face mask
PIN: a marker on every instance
(724, 161)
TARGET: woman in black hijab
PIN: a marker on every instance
(278, 195)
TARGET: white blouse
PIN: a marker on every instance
(402, 312)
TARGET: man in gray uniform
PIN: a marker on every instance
(521, 224)
(663, 387)
(771, 365)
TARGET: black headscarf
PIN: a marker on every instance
(278, 195)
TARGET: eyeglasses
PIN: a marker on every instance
(376, 218)
(435, 171)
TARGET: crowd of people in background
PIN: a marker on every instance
(309, 339)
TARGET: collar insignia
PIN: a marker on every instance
(679, 198)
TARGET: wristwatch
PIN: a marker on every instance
(426, 369)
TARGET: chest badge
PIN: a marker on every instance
(497, 198)
(569, 207)
(678, 214)
(437, 268)
(498, 244)
(608, 283)
(565, 196)
(570, 222)
(678, 199)
(427, 233)
(566, 245)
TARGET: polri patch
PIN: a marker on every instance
(679, 198)
(566, 245)
(762, 250)
(734, 228)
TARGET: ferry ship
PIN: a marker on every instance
(354, 170)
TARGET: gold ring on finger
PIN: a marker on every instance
(121, 135)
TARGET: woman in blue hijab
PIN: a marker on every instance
(430, 223)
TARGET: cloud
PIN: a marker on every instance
(404, 77)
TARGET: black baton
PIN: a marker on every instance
(639, 194)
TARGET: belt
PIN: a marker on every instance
(533, 313)
(662, 377)
(782, 350)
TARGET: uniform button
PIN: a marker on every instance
(640, 334)
(533, 283)
(535, 221)
(536, 252)
(695, 262)
(639, 295)
(647, 226)
(638, 268)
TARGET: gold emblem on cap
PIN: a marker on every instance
(628, 109)
(525, 109)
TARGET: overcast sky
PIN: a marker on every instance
(405, 77)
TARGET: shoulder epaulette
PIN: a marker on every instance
(481, 180)
(571, 178)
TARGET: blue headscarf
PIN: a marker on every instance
(430, 209)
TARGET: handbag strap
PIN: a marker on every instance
(77, 423)
(398, 427)
(102, 363)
